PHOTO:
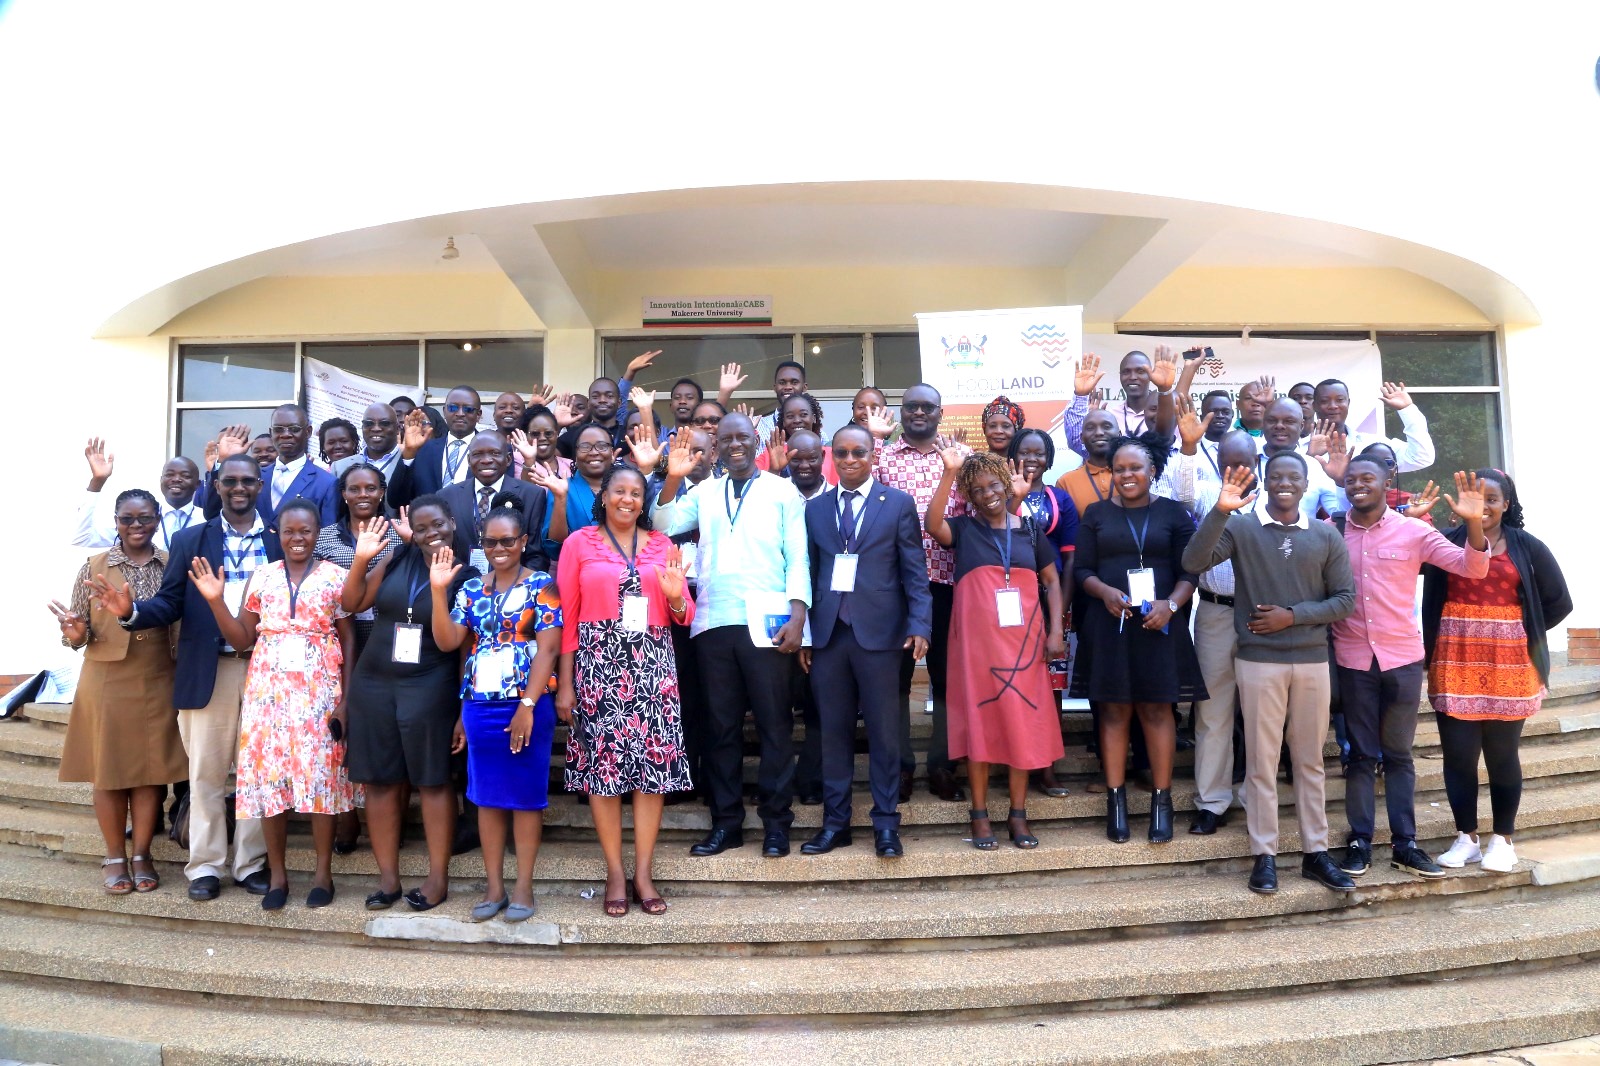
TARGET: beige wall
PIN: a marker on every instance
(1361, 296)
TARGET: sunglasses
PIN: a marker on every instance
(852, 453)
(143, 521)
(919, 408)
(461, 408)
(238, 482)
(706, 420)
(501, 542)
(375, 423)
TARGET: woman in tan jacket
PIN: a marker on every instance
(122, 734)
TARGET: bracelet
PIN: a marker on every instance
(680, 609)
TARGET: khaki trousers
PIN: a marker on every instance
(1272, 695)
(211, 738)
(1215, 642)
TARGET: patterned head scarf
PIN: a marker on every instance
(1003, 405)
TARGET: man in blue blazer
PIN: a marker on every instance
(209, 682)
(870, 602)
(427, 462)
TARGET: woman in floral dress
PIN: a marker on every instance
(292, 715)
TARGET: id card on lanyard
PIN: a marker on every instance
(1141, 582)
(408, 634)
(1008, 600)
(295, 652)
(635, 608)
(494, 666)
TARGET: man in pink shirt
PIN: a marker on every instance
(1378, 653)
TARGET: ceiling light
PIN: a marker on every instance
(468, 346)
(450, 251)
(816, 349)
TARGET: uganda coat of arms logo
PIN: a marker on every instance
(964, 353)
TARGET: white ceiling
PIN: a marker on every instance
(410, 255)
(1243, 248)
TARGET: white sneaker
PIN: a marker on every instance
(1463, 851)
(1501, 856)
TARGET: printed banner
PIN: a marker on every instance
(707, 311)
(333, 393)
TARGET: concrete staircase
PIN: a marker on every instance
(1078, 951)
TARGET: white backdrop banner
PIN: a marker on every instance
(1027, 354)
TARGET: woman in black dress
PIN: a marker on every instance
(403, 703)
(1136, 657)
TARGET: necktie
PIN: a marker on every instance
(847, 530)
(452, 458)
(280, 483)
(485, 495)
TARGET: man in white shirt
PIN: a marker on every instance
(1413, 451)
(95, 526)
(753, 562)
(380, 439)
(1280, 432)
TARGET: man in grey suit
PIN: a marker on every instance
(870, 602)
(470, 500)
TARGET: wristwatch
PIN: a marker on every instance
(1173, 607)
(527, 701)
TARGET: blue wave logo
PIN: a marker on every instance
(1050, 342)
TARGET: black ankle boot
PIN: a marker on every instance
(1117, 814)
(1161, 816)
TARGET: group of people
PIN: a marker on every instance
(421, 607)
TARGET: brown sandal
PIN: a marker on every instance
(145, 882)
(652, 905)
(616, 908)
(117, 884)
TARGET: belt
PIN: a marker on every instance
(236, 654)
(1212, 597)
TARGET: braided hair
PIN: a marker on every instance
(1044, 438)
(811, 401)
(1154, 446)
(1513, 516)
(598, 510)
(141, 495)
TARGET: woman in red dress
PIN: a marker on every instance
(1001, 706)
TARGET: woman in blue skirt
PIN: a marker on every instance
(508, 715)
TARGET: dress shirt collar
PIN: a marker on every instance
(822, 486)
(257, 527)
(866, 489)
(1300, 522)
(292, 468)
(498, 486)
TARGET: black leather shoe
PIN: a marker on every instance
(1413, 860)
(942, 783)
(810, 799)
(1160, 815)
(1117, 814)
(1357, 857)
(905, 785)
(718, 841)
(775, 845)
(1320, 867)
(206, 887)
(1205, 823)
(824, 842)
(887, 843)
(256, 884)
(1264, 878)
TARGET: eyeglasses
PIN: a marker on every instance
(501, 542)
(918, 408)
(238, 482)
(852, 453)
(287, 431)
(376, 423)
(461, 408)
(542, 434)
(143, 521)
(706, 420)
(590, 447)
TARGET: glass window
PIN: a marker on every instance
(1466, 435)
(491, 367)
(196, 426)
(701, 358)
(896, 361)
(833, 362)
(236, 372)
(391, 361)
(1439, 359)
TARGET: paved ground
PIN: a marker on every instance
(1585, 1052)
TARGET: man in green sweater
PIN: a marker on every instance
(1291, 579)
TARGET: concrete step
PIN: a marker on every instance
(1280, 958)
(931, 851)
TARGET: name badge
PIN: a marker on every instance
(1141, 586)
(844, 573)
(1008, 605)
(407, 643)
(294, 654)
(688, 550)
(494, 669)
(635, 614)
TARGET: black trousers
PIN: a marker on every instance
(692, 694)
(851, 681)
(808, 767)
(742, 678)
(1462, 742)
(944, 598)
(1380, 712)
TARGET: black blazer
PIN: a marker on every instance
(199, 640)
(425, 474)
(891, 601)
(463, 500)
(1542, 589)
(312, 482)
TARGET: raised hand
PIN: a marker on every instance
(1337, 461)
(416, 433)
(524, 446)
(444, 568)
(543, 396)
(562, 409)
(880, 422)
(1164, 368)
(641, 362)
(731, 378)
(746, 410)
(555, 486)
(402, 524)
(1236, 491)
(1395, 395)
(1266, 388)
(73, 627)
(1095, 402)
(1190, 428)
(645, 447)
(1087, 377)
(642, 399)
(233, 440)
(110, 598)
(100, 460)
(206, 581)
(953, 456)
(680, 455)
(1423, 502)
(1320, 433)
(777, 449)
(371, 537)
(1467, 503)
(1021, 483)
(211, 456)
(671, 578)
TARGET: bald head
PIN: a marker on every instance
(1237, 448)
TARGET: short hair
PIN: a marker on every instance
(714, 403)
(260, 436)
(788, 363)
(923, 385)
(536, 410)
(505, 505)
(1305, 467)
(336, 423)
(1213, 394)
(300, 503)
(342, 509)
(977, 465)
(301, 411)
(1307, 384)
(609, 381)
(1153, 444)
(598, 509)
(238, 457)
(870, 388)
(1371, 460)
(854, 427)
(432, 499)
(699, 393)
(810, 400)
(402, 399)
(136, 496)
(1325, 382)
(1513, 516)
(1023, 434)
(586, 427)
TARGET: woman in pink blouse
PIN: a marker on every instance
(622, 586)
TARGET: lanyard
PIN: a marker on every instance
(186, 516)
(1139, 537)
(729, 495)
(1211, 456)
(294, 589)
(630, 560)
(415, 585)
(1002, 544)
(1038, 505)
(1094, 484)
(847, 533)
(497, 607)
(235, 562)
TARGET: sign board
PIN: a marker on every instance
(702, 311)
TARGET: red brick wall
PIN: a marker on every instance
(1583, 646)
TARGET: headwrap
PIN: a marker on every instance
(1003, 405)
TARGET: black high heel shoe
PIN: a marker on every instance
(984, 843)
(1021, 840)
(1161, 816)
(1117, 814)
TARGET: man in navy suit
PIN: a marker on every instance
(469, 502)
(428, 464)
(870, 603)
(210, 675)
(293, 474)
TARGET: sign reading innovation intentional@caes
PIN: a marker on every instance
(701, 311)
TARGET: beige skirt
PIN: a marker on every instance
(123, 731)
